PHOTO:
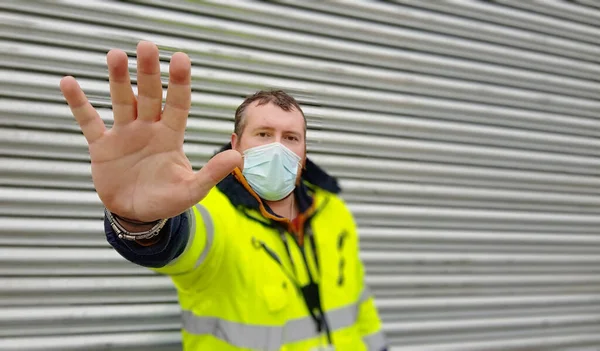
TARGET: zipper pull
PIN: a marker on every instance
(260, 244)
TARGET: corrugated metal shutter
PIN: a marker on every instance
(465, 134)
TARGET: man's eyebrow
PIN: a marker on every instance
(269, 128)
(263, 128)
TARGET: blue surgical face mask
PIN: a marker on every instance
(271, 170)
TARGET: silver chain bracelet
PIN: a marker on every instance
(123, 233)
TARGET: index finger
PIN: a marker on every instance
(86, 116)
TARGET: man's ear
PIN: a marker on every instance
(234, 141)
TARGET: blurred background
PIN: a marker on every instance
(464, 133)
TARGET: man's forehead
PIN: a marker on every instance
(258, 105)
(271, 111)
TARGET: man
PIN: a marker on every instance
(263, 253)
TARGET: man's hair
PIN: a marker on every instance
(277, 97)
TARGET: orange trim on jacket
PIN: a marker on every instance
(300, 219)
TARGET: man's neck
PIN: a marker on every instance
(285, 207)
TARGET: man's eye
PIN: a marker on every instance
(292, 138)
(263, 134)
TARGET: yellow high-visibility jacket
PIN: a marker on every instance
(241, 274)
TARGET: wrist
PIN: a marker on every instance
(134, 225)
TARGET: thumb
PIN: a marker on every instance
(213, 172)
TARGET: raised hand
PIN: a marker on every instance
(139, 168)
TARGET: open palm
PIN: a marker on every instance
(139, 168)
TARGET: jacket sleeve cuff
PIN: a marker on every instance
(172, 242)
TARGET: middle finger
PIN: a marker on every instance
(149, 84)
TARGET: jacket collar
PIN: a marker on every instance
(241, 195)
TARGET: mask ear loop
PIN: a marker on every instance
(243, 162)
(301, 168)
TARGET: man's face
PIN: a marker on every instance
(267, 124)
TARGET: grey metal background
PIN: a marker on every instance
(465, 134)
